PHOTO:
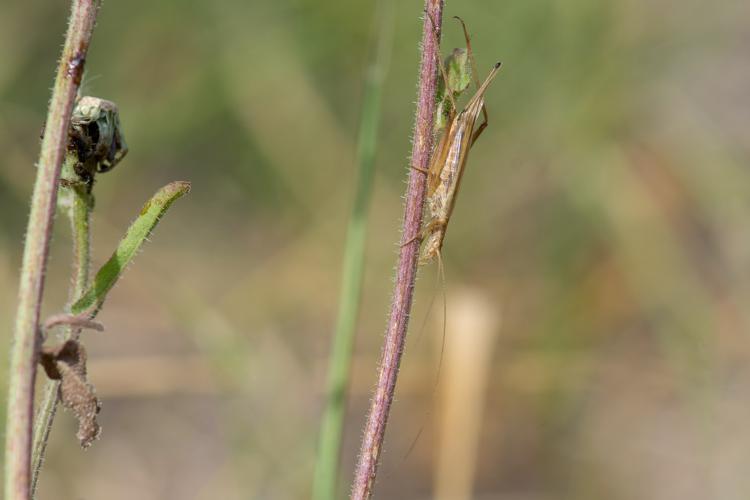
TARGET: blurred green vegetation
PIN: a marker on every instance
(603, 214)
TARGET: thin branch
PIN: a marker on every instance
(326, 479)
(73, 321)
(79, 213)
(403, 291)
(43, 201)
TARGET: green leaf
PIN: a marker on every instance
(458, 71)
(458, 67)
(129, 246)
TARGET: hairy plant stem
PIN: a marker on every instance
(36, 250)
(79, 213)
(374, 432)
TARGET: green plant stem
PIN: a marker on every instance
(79, 213)
(86, 299)
(24, 353)
(403, 288)
(331, 430)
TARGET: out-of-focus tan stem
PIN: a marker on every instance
(466, 373)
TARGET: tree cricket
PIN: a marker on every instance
(451, 153)
(458, 133)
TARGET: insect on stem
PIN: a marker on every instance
(449, 158)
(451, 153)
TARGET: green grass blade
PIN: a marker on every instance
(331, 430)
(128, 248)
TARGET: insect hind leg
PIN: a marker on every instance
(475, 77)
(425, 171)
(425, 231)
(439, 61)
(470, 52)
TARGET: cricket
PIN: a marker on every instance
(458, 133)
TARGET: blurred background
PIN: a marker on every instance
(598, 260)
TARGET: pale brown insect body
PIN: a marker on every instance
(447, 167)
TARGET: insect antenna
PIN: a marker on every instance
(428, 413)
(441, 274)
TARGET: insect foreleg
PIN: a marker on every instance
(428, 229)
(419, 237)
(481, 127)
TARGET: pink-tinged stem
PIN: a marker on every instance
(372, 440)
(25, 341)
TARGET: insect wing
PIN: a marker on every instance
(439, 156)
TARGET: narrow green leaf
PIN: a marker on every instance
(326, 480)
(129, 246)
